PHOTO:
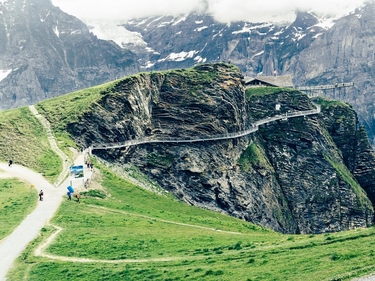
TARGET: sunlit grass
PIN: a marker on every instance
(174, 241)
(24, 140)
(17, 199)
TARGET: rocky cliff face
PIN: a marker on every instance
(300, 175)
(45, 52)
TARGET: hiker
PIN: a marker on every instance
(41, 195)
(91, 166)
(10, 163)
(69, 196)
(78, 196)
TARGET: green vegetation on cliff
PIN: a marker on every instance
(262, 91)
(254, 155)
(347, 177)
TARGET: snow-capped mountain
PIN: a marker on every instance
(45, 52)
(312, 50)
(169, 42)
(190, 39)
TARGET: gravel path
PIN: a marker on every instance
(365, 278)
(14, 244)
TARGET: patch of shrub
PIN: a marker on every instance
(94, 193)
(335, 257)
(215, 273)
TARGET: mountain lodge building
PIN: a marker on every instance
(284, 81)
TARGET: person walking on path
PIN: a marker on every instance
(69, 196)
(41, 195)
(78, 196)
(10, 163)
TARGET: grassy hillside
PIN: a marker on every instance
(24, 140)
(133, 234)
(65, 109)
(17, 199)
(122, 232)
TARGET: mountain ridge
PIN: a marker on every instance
(46, 52)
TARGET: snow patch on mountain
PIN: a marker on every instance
(4, 73)
(180, 19)
(113, 31)
(200, 28)
(56, 30)
(199, 59)
(247, 28)
(326, 23)
(179, 56)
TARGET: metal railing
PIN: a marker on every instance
(254, 127)
(325, 87)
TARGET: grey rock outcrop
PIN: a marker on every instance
(291, 175)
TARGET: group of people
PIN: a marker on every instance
(78, 196)
(89, 165)
(70, 196)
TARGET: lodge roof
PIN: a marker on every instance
(273, 81)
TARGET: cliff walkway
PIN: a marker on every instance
(254, 127)
(315, 91)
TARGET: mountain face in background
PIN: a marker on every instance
(178, 42)
(45, 52)
(312, 50)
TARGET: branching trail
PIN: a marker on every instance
(65, 159)
(15, 243)
(165, 221)
(40, 252)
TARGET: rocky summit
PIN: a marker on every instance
(306, 174)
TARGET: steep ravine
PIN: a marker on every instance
(292, 175)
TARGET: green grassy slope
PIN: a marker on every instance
(24, 140)
(17, 199)
(65, 109)
(133, 234)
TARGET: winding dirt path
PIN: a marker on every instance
(14, 244)
(165, 221)
(65, 159)
(40, 251)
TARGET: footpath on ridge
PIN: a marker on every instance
(14, 244)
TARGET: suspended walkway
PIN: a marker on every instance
(254, 127)
(315, 91)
